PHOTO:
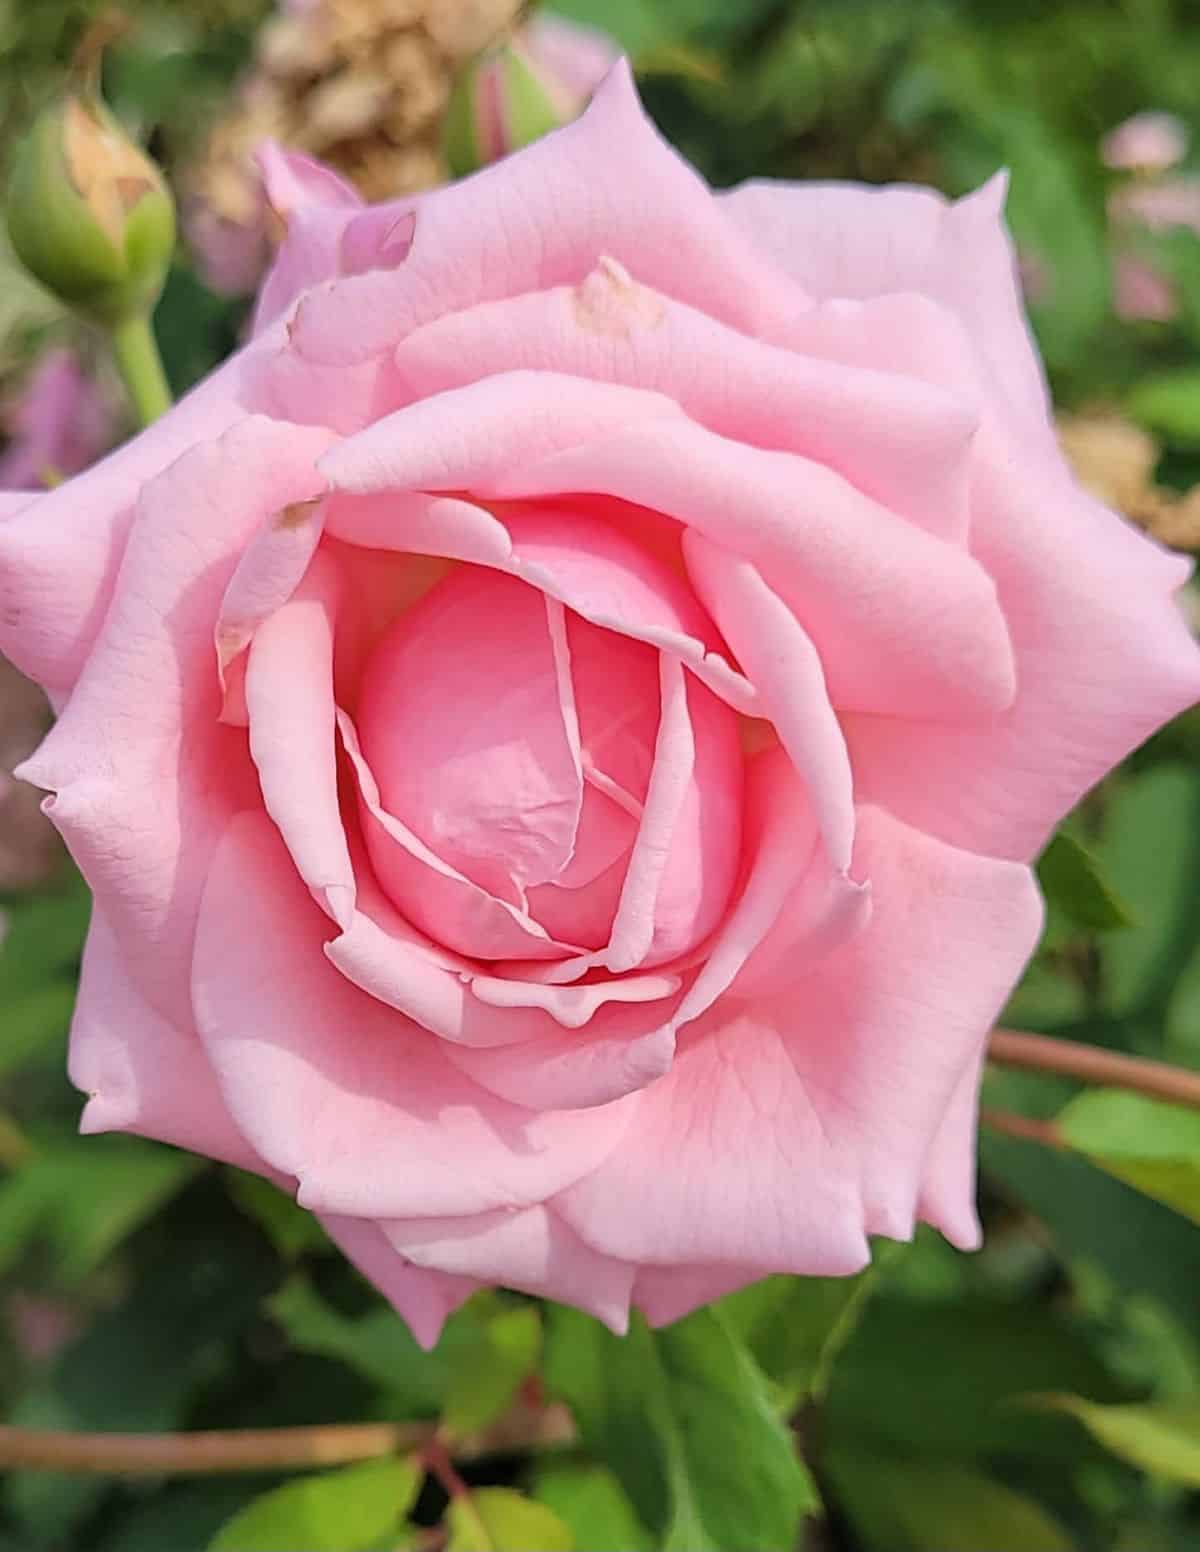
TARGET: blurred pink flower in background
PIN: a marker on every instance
(58, 425)
(1141, 291)
(1147, 142)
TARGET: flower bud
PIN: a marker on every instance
(89, 214)
(499, 104)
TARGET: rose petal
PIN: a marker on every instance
(140, 1072)
(783, 665)
(293, 735)
(60, 554)
(666, 1294)
(469, 437)
(423, 1299)
(790, 893)
(1002, 786)
(441, 901)
(918, 434)
(346, 1095)
(837, 1083)
(542, 217)
(144, 775)
(477, 752)
(902, 621)
(532, 1250)
(845, 240)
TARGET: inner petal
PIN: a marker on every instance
(468, 722)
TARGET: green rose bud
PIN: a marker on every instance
(500, 103)
(89, 213)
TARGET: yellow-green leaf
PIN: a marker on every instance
(916, 1506)
(1160, 1438)
(350, 1510)
(497, 1519)
(1152, 1146)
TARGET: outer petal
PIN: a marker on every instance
(316, 206)
(667, 1293)
(144, 776)
(948, 1191)
(794, 1124)
(904, 442)
(346, 1095)
(59, 555)
(845, 240)
(140, 1072)
(468, 437)
(532, 1250)
(1104, 657)
(422, 1298)
(543, 217)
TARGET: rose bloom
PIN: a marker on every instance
(557, 726)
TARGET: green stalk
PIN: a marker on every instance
(141, 368)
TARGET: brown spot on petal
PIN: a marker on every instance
(610, 301)
(296, 515)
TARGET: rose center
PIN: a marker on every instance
(516, 741)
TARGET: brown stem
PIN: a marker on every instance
(266, 1449)
(436, 1458)
(1093, 1064)
(175, 1454)
(1021, 1126)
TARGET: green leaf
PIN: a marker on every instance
(796, 1326)
(940, 1376)
(498, 1519)
(1145, 1248)
(1074, 884)
(87, 1196)
(291, 1229)
(592, 1502)
(349, 1510)
(1150, 850)
(1152, 1146)
(1169, 402)
(488, 1359)
(916, 1506)
(378, 1345)
(1162, 1439)
(684, 1418)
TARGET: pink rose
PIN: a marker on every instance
(1147, 142)
(557, 726)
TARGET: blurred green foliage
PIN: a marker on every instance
(1041, 1396)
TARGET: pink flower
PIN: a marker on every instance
(59, 425)
(557, 727)
(1147, 142)
(1140, 289)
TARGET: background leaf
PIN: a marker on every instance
(350, 1510)
(1152, 1146)
(497, 1519)
(1163, 1439)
